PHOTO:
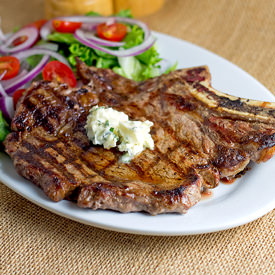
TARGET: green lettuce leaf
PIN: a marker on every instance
(104, 55)
(147, 62)
(91, 57)
(106, 63)
(130, 67)
(4, 128)
(150, 57)
(67, 38)
(171, 69)
(122, 13)
(134, 37)
(92, 13)
(125, 13)
(33, 60)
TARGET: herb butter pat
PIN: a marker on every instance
(110, 128)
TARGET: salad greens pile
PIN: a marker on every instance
(140, 67)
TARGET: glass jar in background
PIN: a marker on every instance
(138, 7)
(55, 8)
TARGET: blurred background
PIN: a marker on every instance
(21, 11)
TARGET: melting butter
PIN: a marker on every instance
(110, 128)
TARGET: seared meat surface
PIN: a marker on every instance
(200, 135)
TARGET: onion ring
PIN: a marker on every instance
(80, 36)
(32, 35)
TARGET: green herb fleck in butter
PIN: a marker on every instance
(110, 128)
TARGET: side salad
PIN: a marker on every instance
(48, 50)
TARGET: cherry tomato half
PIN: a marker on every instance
(16, 96)
(112, 32)
(19, 40)
(60, 72)
(66, 26)
(10, 65)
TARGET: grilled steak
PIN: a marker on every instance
(200, 135)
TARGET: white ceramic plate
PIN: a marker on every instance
(247, 199)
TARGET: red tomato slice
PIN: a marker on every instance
(38, 24)
(66, 26)
(10, 65)
(60, 72)
(112, 32)
(16, 96)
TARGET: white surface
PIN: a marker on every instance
(247, 199)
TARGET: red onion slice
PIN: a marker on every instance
(102, 42)
(9, 82)
(48, 28)
(2, 91)
(32, 35)
(90, 27)
(148, 43)
(19, 82)
(6, 106)
(48, 46)
(36, 50)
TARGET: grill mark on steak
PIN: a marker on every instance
(196, 139)
(41, 151)
(53, 183)
(178, 171)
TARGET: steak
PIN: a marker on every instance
(200, 136)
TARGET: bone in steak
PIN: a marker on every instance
(200, 135)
